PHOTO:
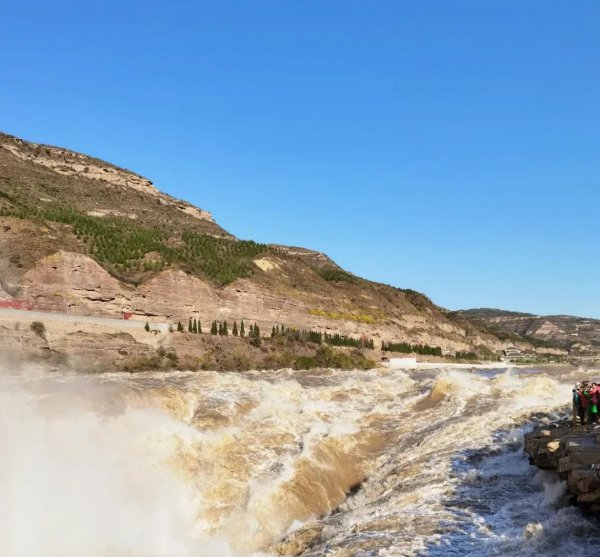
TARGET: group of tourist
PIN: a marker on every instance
(586, 399)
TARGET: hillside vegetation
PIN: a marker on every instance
(54, 200)
(129, 249)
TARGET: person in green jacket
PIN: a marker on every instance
(593, 395)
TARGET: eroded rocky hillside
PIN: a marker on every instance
(577, 337)
(81, 235)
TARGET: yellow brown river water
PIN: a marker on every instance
(418, 462)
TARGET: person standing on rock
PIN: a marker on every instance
(593, 394)
(582, 403)
(578, 409)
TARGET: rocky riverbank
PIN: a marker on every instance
(573, 452)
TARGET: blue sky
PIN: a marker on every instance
(448, 147)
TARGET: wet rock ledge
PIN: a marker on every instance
(572, 451)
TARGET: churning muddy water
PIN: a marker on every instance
(422, 462)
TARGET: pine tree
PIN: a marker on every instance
(194, 326)
(213, 328)
(225, 329)
(147, 326)
(242, 329)
(190, 325)
(254, 335)
(179, 327)
(199, 327)
(235, 329)
(273, 332)
(220, 328)
(277, 330)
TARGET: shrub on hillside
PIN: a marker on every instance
(39, 329)
(333, 274)
(328, 357)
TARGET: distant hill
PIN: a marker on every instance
(578, 336)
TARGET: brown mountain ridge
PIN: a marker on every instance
(82, 236)
(576, 337)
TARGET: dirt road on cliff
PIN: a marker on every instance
(26, 316)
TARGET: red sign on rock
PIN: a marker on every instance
(15, 304)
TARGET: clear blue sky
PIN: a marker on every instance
(450, 147)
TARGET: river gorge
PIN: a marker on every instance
(387, 462)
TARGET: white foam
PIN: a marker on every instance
(94, 486)
(93, 472)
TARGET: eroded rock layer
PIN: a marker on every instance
(573, 452)
(64, 218)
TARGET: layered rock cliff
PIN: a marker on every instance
(573, 452)
(82, 236)
(575, 337)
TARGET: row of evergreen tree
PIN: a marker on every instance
(319, 338)
(344, 340)
(407, 348)
(466, 356)
(316, 337)
(221, 328)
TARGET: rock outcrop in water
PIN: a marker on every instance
(574, 452)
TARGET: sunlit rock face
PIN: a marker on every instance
(51, 262)
(75, 283)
